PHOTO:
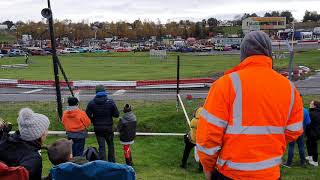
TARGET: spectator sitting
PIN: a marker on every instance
(22, 148)
(75, 122)
(127, 129)
(61, 152)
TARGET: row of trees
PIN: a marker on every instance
(143, 29)
(135, 31)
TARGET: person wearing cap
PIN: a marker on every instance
(127, 129)
(76, 122)
(60, 152)
(249, 116)
(22, 148)
(101, 111)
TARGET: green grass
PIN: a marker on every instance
(130, 66)
(152, 116)
(154, 157)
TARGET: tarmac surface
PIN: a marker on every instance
(309, 86)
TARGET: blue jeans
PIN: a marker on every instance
(300, 142)
(78, 146)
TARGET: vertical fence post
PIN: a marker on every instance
(178, 80)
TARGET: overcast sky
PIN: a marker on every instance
(129, 10)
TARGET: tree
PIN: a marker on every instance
(267, 14)
(8, 23)
(311, 16)
(275, 14)
(288, 15)
(254, 15)
(212, 22)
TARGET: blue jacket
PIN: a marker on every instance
(306, 117)
(93, 170)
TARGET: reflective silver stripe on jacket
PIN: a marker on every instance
(208, 151)
(257, 130)
(237, 127)
(213, 119)
(292, 99)
(295, 126)
(254, 166)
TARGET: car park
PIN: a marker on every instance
(69, 50)
(16, 52)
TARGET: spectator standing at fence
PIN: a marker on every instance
(101, 111)
(22, 148)
(127, 129)
(249, 116)
(313, 133)
(190, 139)
(300, 142)
(76, 122)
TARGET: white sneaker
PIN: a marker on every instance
(316, 164)
(309, 158)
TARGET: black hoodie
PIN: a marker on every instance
(101, 110)
(313, 129)
(17, 152)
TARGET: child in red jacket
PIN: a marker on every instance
(75, 122)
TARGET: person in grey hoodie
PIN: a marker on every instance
(127, 129)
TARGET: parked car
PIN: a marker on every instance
(221, 47)
(98, 50)
(235, 46)
(39, 52)
(1, 56)
(16, 52)
(82, 49)
(69, 50)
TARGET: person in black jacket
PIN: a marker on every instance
(313, 133)
(22, 148)
(101, 110)
(127, 129)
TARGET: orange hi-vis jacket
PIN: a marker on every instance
(249, 116)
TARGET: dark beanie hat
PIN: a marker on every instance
(73, 101)
(255, 43)
(100, 88)
(127, 108)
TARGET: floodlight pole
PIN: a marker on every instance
(55, 64)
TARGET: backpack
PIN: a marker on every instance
(10, 173)
(91, 154)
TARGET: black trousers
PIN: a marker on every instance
(102, 138)
(187, 149)
(218, 176)
(312, 148)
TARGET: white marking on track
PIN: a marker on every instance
(119, 92)
(32, 91)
